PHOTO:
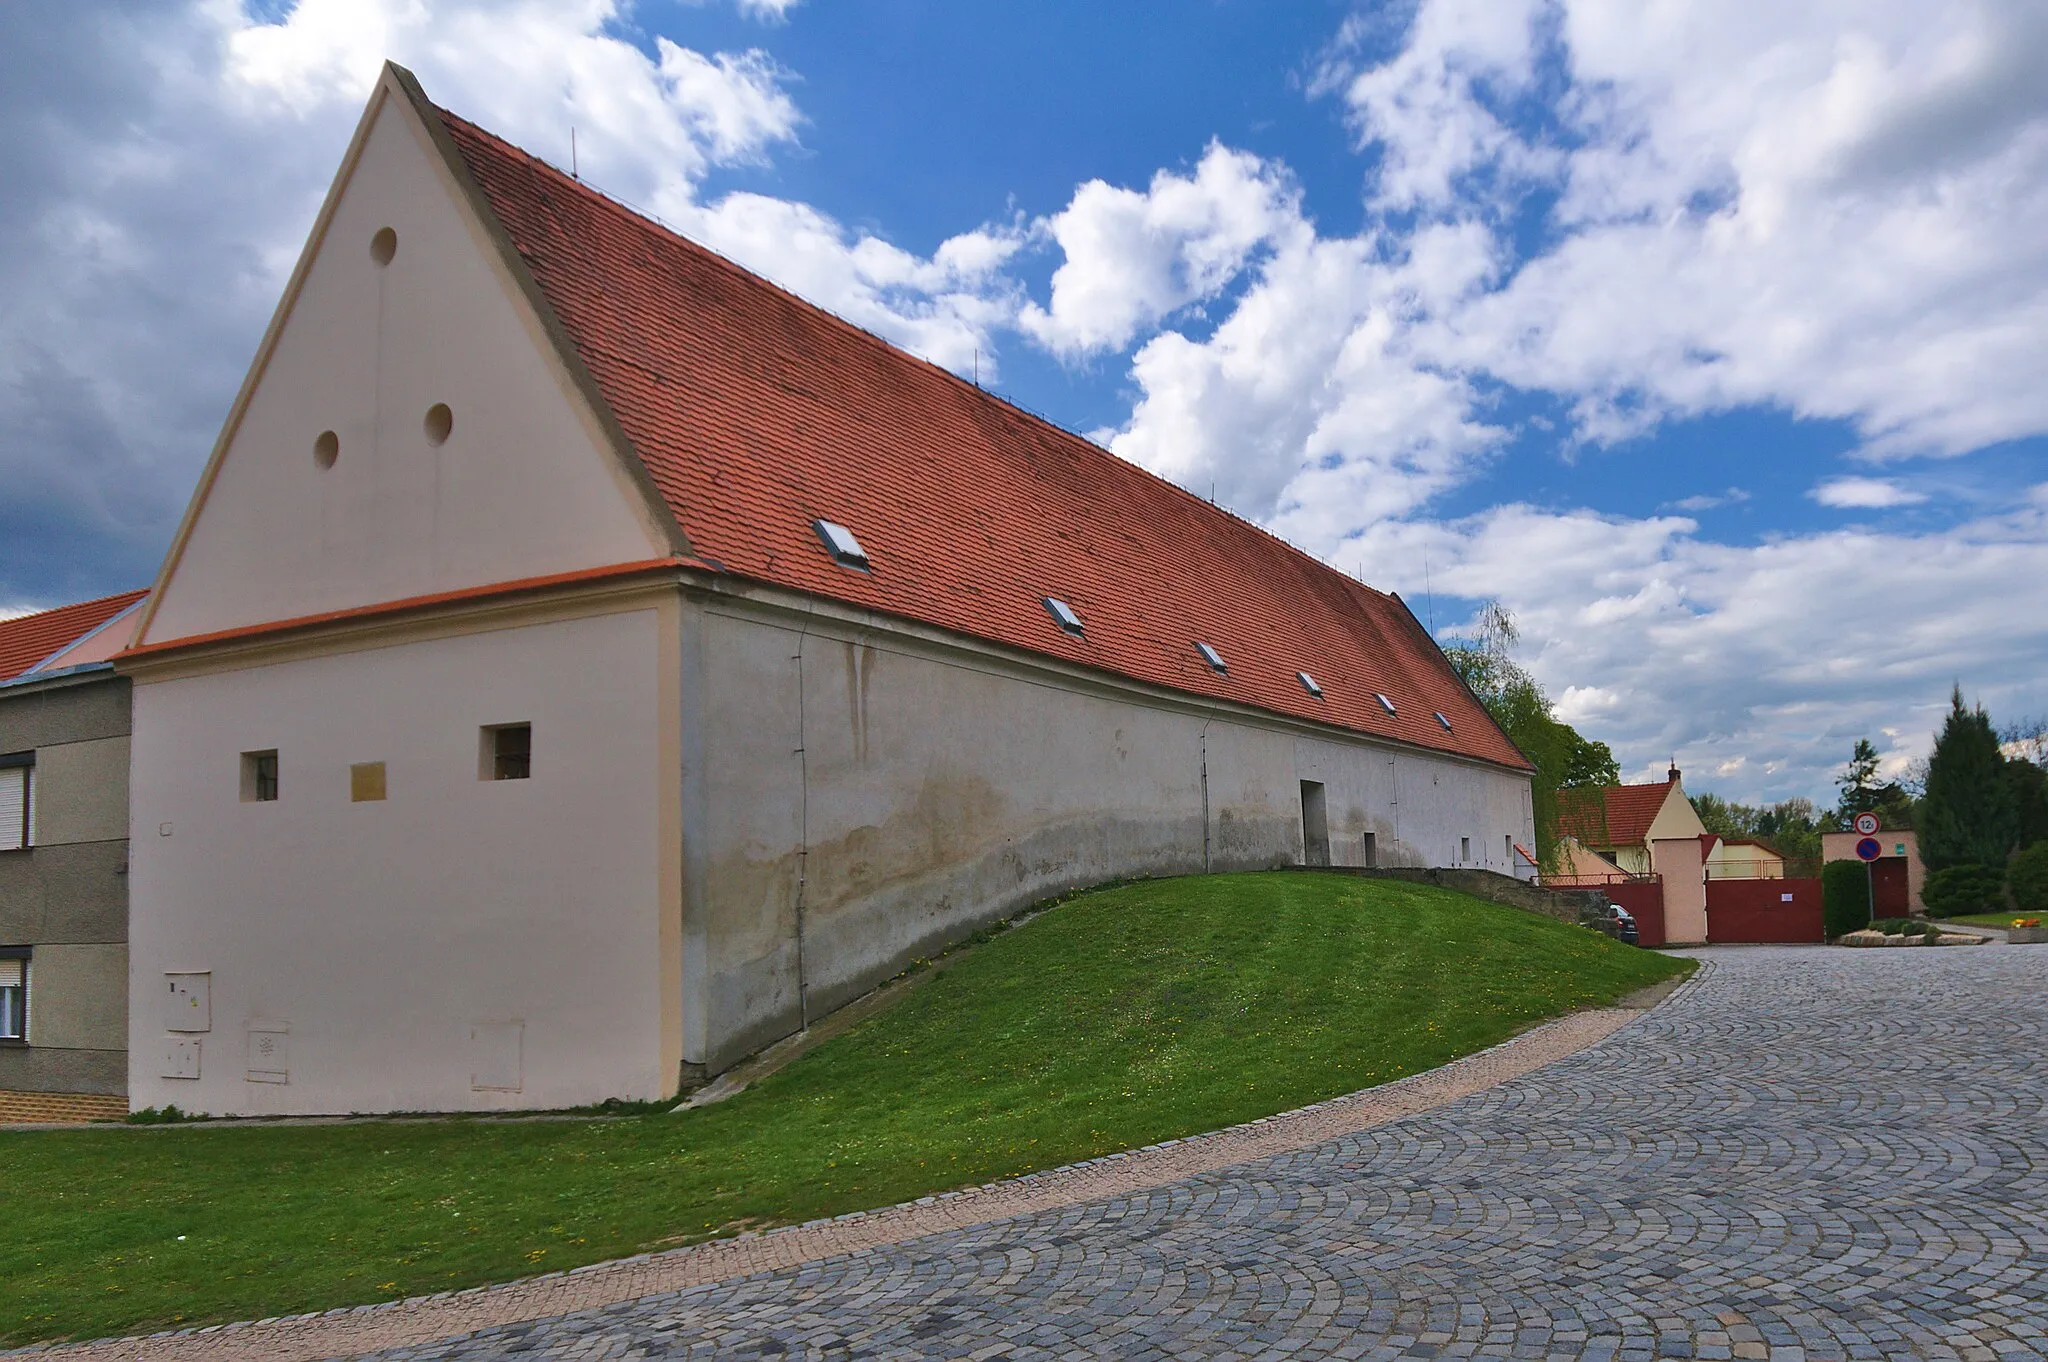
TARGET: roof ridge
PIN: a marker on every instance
(612, 202)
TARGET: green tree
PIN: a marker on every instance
(1863, 792)
(1724, 818)
(1845, 897)
(2027, 877)
(2029, 787)
(1563, 758)
(1967, 813)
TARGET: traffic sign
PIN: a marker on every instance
(1868, 849)
(1866, 826)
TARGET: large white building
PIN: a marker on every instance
(582, 663)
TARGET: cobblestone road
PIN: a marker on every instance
(1807, 1154)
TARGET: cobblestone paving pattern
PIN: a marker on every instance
(1808, 1154)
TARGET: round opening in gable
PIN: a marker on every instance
(326, 448)
(439, 424)
(383, 245)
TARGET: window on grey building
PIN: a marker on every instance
(507, 752)
(14, 993)
(17, 801)
(1464, 850)
(259, 777)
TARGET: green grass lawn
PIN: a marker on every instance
(1123, 1017)
(1991, 919)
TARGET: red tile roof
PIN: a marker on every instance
(1610, 815)
(755, 412)
(28, 639)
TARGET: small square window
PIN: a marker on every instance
(1308, 683)
(1064, 616)
(840, 543)
(1385, 703)
(507, 752)
(259, 777)
(14, 993)
(1442, 720)
(366, 782)
(1213, 658)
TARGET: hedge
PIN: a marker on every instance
(1845, 896)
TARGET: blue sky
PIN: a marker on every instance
(1706, 337)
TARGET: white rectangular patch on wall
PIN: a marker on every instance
(270, 1052)
(496, 1061)
(188, 1002)
(1784, 898)
(181, 1058)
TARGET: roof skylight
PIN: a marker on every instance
(1064, 616)
(840, 543)
(1385, 703)
(1308, 683)
(1442, 720)
(1213, 658)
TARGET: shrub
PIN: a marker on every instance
(1895, 926)
(1845, 896)
(2027, 873)
(1961, 890)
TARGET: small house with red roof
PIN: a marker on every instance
(583, 663)
(64, 739)
(1641, 831)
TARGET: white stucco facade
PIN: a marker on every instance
(379, 935)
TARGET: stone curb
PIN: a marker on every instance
(418, 1320)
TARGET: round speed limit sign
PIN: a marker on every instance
(1866, 825)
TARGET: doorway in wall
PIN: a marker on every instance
(1315, 825)
(1372, 851)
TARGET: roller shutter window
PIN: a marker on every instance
(13, 996)
(17, 802)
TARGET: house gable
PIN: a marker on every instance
(412, 425)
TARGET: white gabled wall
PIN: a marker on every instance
(522, 488)
(378, 934)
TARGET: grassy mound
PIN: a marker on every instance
(1121, 1018)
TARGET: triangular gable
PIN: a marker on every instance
(332, 486)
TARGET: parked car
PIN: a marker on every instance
(1624, 924)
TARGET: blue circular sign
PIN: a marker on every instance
(1868, 849)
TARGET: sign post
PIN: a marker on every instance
(1868, 849)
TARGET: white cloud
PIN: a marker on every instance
(179, 153)
(1831, 212)
(1662, 642)
(1704, 501)
(1864, 493)
(1132, 258)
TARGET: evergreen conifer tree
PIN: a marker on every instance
(1967, 814)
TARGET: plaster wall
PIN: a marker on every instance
(1676, 819)
(523, 486)
(859, 797)
(67, 896)
(1680, 861)
(1841, 846)
(377, 937)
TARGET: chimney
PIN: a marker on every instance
(1672, 775)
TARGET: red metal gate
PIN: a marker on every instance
(1644, 900)
(1764, 912)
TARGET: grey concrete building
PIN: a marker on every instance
(64, 733)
